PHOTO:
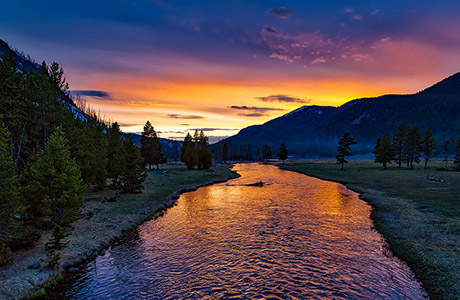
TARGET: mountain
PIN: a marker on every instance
(315, 130)
(22, 60)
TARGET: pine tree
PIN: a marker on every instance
(266, 152)
(52, 184)
(188, 152)
(151, 147)
(398, 144)
(412, 146)
(384, 152)
(133, 172)
(115, 154)
(57, 235)
(282, 152)
(8, 181)
(457, 154)
(204, 153)
(428, 146)
(225, 152)
(14, 108)
(343, 148)
(89, 147)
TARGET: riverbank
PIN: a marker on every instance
(104, 222)
(417, 216)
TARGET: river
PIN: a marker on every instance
(297, 237)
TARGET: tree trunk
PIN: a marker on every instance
(426, 162)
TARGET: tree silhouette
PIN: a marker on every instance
(282, 152)
(225, 152)
(188, 152)
(343, 148)
(133, 172)
(428, 146)
(151, 147)
(204, 153)
(52, 185)
(398, 144)
(384, 152)
(115, 154)
(8, 180)
(267, 152)
(412, 146)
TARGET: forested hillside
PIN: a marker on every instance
(51, 151)
(315, 130)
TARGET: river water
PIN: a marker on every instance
(297, 237)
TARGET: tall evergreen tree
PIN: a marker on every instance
(52, 184)
(151, 147)
(8, 181)
(428, 146)
(412, 146)
(384, 152)
(14, 107)
(115, 154)
(188, 152)
(398, 144)
(133, 172)
(266, 152)
(225, 152)
(343, 148)
(204, 153)
(89, 147)
(457, 154)
(282, 152)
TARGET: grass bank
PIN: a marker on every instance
(102, 223)
(418, 217)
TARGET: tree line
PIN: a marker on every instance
(408, 146)
(196, 151)
(245, 153)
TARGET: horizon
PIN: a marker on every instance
(193, 66)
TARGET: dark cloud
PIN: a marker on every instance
(254, 108)
(185, 117)
(269, 29)
(280, 12)
(91, 93)
(184, 124)
(253, 115)
(214, 129)
(283, 98)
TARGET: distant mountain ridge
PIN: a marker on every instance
(314, 130)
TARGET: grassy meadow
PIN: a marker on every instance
(418, 217)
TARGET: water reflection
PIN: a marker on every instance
(296, 237)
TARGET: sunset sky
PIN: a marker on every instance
(225, 65)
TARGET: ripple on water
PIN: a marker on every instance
(296, 237)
